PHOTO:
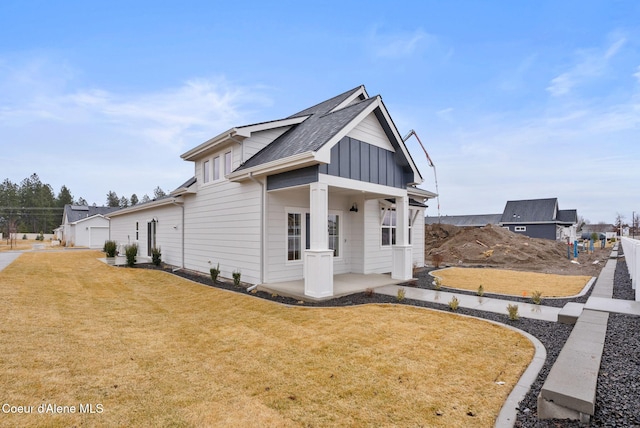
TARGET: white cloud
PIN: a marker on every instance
(591, 63)
(398, 45)
(637, 74)
(94, 139)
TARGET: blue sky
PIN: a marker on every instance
(513, 100)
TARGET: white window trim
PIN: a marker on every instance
(303, 230)
(222, 167)
(385, 209)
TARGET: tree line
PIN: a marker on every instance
(32, 206)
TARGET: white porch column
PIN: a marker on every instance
(318, 259)
(402, 267)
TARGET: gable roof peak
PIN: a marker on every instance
(334, 102)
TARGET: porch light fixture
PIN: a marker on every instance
(354, 208)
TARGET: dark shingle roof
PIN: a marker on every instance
(79, 212)
(568, 216)
(311, 134)
(530, 211)
(465, 220)
(328, 105)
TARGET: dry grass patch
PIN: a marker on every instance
(511, 282)
(21, 244)
(156, 350)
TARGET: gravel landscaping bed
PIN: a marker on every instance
(618, 393)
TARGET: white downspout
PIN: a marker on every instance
(262, 227)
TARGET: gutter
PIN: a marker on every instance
(262, 227)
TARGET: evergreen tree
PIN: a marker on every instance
(145, 198)
(64, 197)
(158, 193)
(124, 202)
(112, 199)
(134, 199)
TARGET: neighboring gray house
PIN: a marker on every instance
(540, 218)
(537, 218)
(479, 220)
(84, 226)
(329, 190)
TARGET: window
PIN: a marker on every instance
(520, 228)
(216, 168)
(299, 234)
(294, 236)
(227, 163)
(334, 234)
(205, 171)
(388, 228)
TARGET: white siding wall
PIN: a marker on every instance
(417, 237)
(168, 231)
(222, 226)
(370, 131)
(378, 259)
(278, 267)
(259, 140)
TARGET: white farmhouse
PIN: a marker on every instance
(326, 191)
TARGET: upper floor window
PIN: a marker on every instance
(205, 171)
(227, 163)
(216, 168)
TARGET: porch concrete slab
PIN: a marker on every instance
(499, 306)
(570, 312)
(343, 285)
(629, 307)
(7, 257)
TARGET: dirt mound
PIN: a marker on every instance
(498, 247)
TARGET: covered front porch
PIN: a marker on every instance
(343, 285)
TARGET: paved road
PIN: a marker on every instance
(7, 257)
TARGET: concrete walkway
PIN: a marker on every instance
(7, 257)
(498, 306)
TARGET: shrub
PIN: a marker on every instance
(436, 259)
(369, 292)
(110, 248)
(401, 294)
(454, 303)
(214, 273)
(480, 291)
(513, 312)
(131, 252)
(24, 236)
(437, 283)
(156, 256)
(594, 236)
(536, 297)
(236, 278)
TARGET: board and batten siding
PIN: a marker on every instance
(222, 226)
(370, 131)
